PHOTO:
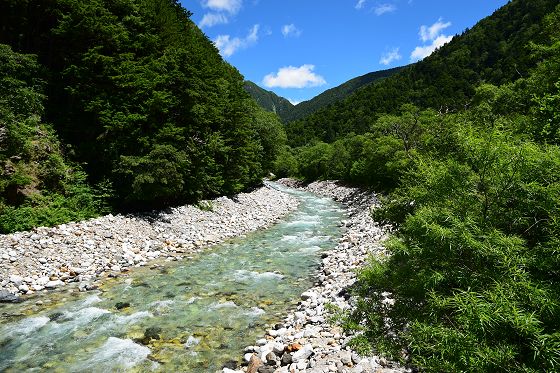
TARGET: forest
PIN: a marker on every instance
(464, 146)
(119, 106)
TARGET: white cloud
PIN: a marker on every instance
(433, 31)
(384, 8)
(230, 6)
(294, 102)
(228, 45)
(221, 11)
(290, 30)
(360, 4)
(431, 34)
(388, 57)
(294, 77)
(213, 19)
(422, 52)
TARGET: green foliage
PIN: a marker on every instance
(270, 135)
(149, 106)
(37, 184)
(205, 206)
(285, 163)
(269, 101)
(475, 195)
(475, 225)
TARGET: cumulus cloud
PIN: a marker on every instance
(384, 8)
(431, 34)
(228, 45)
(230, 6)
(294, 102)
(213, 19)
(290, 30)
(294, 77)
(388, 57)
(360, 4)
(221, 11)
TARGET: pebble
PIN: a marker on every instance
(311, 343)
(89, 250)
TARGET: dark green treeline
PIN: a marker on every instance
(136, 97)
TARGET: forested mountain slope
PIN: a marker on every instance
(140, 98)
(269, 100)
(289, 112)
(336, 94)
(495, 51)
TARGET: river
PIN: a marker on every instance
(194, 315)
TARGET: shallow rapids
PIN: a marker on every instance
(194, 315)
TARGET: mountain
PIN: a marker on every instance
(338, 93)
(288, 112)
(496, 50)
(269, 101)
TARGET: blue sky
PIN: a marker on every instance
(300, 48)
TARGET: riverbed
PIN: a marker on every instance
(192, 315)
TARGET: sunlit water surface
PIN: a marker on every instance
(194, 315)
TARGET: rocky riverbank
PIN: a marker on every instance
(306, 341)
(83, 252)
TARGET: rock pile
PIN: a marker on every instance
(306, 341)
(47, 258)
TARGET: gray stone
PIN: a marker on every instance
(16, 280)
(53, 284)
(7, 297)
(302, 354)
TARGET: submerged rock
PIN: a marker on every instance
(121, 305)
(151, 333)
(7, 297)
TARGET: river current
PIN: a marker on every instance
(194, 315)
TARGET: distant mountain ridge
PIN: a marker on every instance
(268, 100)
(496, 51)
(338, 93)
(289, 112)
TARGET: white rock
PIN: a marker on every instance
(42, 281)
(301, 365)
(53, 284)
(16, 280)
(302, 354)
(278, 348)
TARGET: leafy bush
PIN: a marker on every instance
(38, 186)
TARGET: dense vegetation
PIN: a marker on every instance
(471, 173)
(38, 185)
(269, 101)
(139, 98)
(336, 94)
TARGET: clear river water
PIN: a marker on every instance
(193, 315)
